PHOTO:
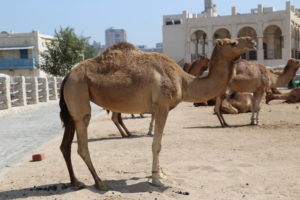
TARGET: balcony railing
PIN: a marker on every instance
(17, 63)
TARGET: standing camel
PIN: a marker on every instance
(255, 78)
(126, 80)
(290, 97)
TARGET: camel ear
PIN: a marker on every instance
(219, 42)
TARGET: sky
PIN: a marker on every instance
(142, 19)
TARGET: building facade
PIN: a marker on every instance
(113, 36)
(20, 53)
(277, 33)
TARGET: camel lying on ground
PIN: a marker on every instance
(237, 102)
(255, 78)
(290, 97)
(124, 79)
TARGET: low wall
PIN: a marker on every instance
(21, 91)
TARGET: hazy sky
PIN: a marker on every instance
(142, 19)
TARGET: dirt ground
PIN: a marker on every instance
(201, 159)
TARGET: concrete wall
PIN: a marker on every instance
(24, 72)
(22, 91)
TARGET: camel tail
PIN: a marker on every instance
(65, 116)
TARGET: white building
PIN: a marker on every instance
(186, 36)
(20, 53)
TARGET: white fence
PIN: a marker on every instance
(22, 91)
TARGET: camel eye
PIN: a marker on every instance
(233, 44)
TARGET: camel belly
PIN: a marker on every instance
(123, 100)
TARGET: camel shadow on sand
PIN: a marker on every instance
(63, 188)
(218, 126)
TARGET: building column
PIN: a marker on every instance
(260, 49)
(187, 57)
(209, 38)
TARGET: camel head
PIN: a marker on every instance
(233, 48)
(202, 61)
(294, 63)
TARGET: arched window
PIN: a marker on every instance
(199, 39)
(273, 42)
(221, 34)
(250, 32)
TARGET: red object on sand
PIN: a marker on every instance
(38, 157)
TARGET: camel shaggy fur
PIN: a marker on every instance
(124, 79)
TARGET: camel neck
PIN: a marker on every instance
(284, 78)
(202, 89)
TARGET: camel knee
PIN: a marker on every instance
(156, 148)
(86, 119)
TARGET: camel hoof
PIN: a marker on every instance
(101, 186)
(254, 123)
(150, 134)
(77, 185)
(156, 180)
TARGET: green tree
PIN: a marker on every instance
(64, 51)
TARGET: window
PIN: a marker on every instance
(24, 53)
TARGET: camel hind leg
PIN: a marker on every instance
(77, 98)
(120, 120)
(116, 119)
(217, 109)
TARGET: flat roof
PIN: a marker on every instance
(15, 48)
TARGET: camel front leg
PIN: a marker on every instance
(83, 151)
(160, 121)
(151, 125)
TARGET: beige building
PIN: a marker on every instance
(20, 53)
(113, 36)
(186, 36)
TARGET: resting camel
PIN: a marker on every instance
(290, 97)
(237, 102)
(126, 80)
(255, 78)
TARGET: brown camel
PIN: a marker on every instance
(126, 80)
(290, 97)
(237, 102)
(255, 78)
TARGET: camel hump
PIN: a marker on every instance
(123, 46)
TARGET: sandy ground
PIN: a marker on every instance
(201, 160)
